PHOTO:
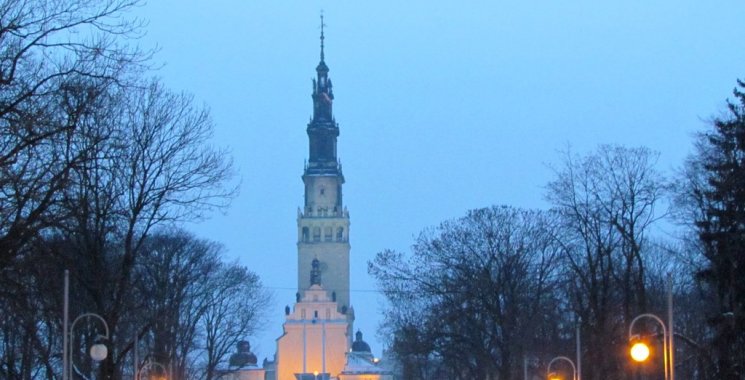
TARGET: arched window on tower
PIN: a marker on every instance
(316, 233)
(340, 234)
(306, 234)
(327, 234)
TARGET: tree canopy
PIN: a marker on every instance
(100, 164)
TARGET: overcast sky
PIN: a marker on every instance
(442, 107)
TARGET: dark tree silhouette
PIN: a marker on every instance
(607, 202)
(714, 197)
(477, 295)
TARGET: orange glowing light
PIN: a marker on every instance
(639, 352)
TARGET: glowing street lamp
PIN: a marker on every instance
(553, 375)
(640, 351)
(148, 368)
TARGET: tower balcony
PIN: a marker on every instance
(323, 228)
(321, 168)
(322, 212)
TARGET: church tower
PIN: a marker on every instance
(316, 343)
(317, 330)
(323, 223)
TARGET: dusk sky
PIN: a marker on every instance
(442, 107)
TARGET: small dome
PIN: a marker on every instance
(360, 345)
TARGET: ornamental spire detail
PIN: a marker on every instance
(322, 38)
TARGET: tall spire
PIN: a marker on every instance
(322, 25)
(322, 129)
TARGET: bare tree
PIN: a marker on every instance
(607, 202)
(45, 47)
(148, 163)
(166, 170)
(92, 159)
(483, 286)
(198, 307)
(30, 322)
(234, 309)
(55, 58)
(693, 359)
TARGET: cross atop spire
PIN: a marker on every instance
(322, 38)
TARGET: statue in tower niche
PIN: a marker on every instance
(315, 272)
(243, 357)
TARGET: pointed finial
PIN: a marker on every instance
(322, 25)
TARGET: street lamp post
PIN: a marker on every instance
(98, 351)
(671, 341)
(551, 375)
(576, 370)
(149, 367)
(640, 351)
